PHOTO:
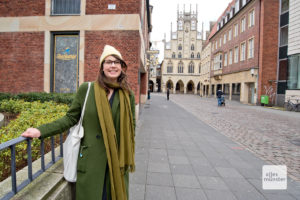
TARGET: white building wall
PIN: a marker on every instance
(294, 27)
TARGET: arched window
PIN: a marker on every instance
(191, 67)
(173, 55)
(198, 55)
(170, 67)
(192, 55)
(192, 47)
(179, 47)
(180, 67)
(179, 55)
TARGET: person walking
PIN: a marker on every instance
(107, 148)
(219, 96)
(168, 94)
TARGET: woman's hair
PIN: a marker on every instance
(122, 79)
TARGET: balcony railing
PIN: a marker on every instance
(12, 146)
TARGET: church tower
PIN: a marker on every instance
(182, 54)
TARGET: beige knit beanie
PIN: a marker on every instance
(109, 51)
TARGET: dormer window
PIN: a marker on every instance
(237, 6)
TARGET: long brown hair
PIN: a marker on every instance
(122, 79)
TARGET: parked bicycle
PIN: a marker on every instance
(291, 106)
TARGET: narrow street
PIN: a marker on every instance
(188, 148)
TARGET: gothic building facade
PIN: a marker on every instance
(181, 66)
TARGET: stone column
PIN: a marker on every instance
(209, 90)
(230, 91)
(215, 91)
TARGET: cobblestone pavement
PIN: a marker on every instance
(182, 157)
(267, 132)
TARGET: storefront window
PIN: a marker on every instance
(294, 72)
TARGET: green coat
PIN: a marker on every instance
(91, 166)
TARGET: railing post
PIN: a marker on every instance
(42, 155)
(61, 145)
(52, 149)
(13, 169)
(29, 159)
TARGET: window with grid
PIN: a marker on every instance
(230, 58)
(284, 36)
(179, 55)
(173, 55)
(191, 68)
(251, 18)
(170, 67)
(179, 47)
(251, 48)
(225, 59)
(236, 54)
(65, 7)
(229, 34)
(224, 38)
(220, 42)
(180, 67)
(243, 24)
(243, 51)
(236, 30)
(284, 6)
(198, 55)
(192, 55)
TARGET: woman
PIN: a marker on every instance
(107, 148)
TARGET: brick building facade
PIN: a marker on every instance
(244, 50)
(33, 31)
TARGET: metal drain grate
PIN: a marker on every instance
(296, 142)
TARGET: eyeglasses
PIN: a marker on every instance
(110, 62)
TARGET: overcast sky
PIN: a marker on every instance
(165, 12)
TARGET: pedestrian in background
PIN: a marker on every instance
(107, 148)
(219, 96)
(168, 94)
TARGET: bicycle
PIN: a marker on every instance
(290, 106)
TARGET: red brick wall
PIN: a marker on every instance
(236, 41)
(127, 42)
(14, 8)
(269, 23)
(22, 62)
(94, 7)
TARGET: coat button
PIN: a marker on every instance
(98, 136)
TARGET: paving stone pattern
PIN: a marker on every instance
(182, 157)
(266, 132)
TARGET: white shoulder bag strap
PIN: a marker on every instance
(83, 108)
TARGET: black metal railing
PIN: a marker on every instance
(11, 144)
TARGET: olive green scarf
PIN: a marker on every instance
(119, 159)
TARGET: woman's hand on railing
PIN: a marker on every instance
(32, 132)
